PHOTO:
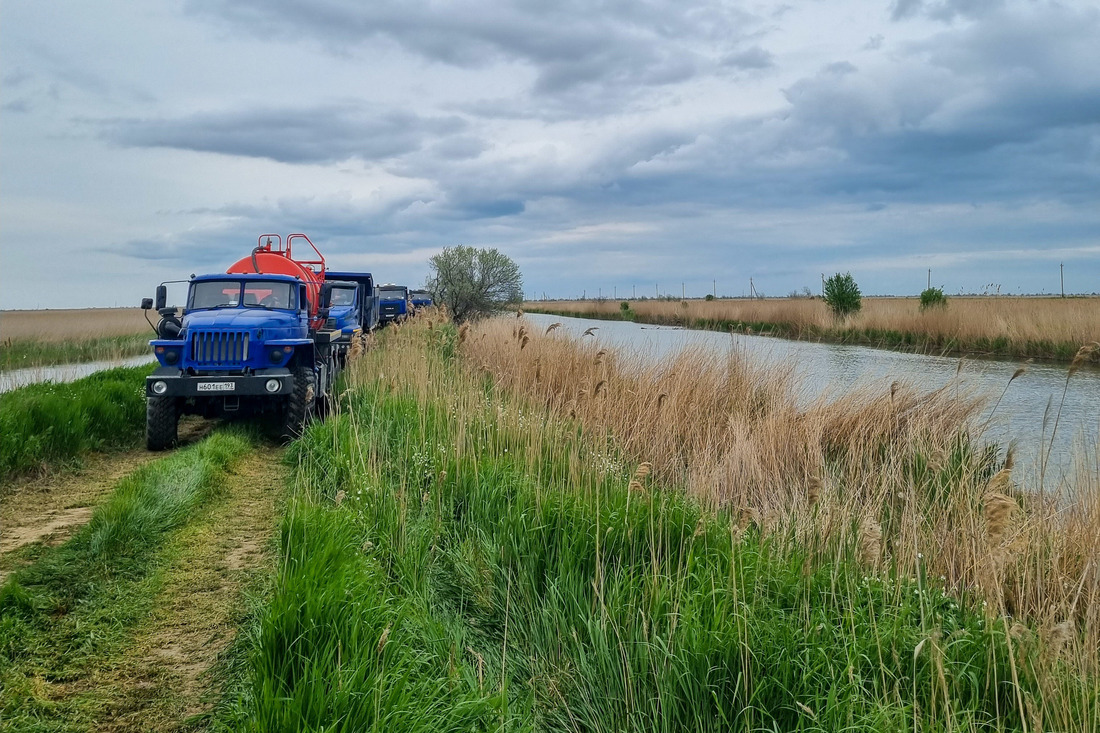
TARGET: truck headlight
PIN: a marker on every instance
(171, 356)
(160, 387)
(272, 385)
(276, 356)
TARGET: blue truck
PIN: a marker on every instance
(255, 340)
(393, 303)
(420, 299)
(366, 308)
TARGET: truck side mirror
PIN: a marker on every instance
(326, 295)
(146, 303)
(162, 296)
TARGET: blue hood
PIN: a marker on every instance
(271, 321)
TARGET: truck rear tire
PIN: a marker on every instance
(299, 404)
(161, 423)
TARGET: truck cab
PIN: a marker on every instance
(393, 303)
(367, 298)
(420, 299)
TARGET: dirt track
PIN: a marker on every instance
(163, 677)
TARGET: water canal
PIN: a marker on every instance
(1025, 417)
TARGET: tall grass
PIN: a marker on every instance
(29, 353)
(69, 611)
(499, 554)
(895, 472)
(47, 424)
(31, 338)
(1045, 328)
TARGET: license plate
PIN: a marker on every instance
(216, 386)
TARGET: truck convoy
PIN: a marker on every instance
(267, 337)
(394, 303)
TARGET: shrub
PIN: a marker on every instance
(842, 295)
(933, 298)
(709, 297)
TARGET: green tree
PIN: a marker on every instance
(932, 298)
(842, 295)
(472, 282)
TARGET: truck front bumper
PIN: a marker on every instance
(171, 382)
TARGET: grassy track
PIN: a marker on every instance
(456, 560)
(45, 425)
(64, 618)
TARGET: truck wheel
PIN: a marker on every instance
(162, 418)
(299, 404)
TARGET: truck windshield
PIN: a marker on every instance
(342, 296)
(228, 294)
(392, 293)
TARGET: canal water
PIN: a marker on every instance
(64, 372)
(1025, 416)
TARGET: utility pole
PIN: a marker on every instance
(683, 291)
(600, 296)
(823, 285)
(584, 295)
(714, 288)
(1062, 276)
(615, 292)
(635, 291)
(929, 278)
(657, 290)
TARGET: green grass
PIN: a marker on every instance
(68, 614)
(49, 424)
(28, 353)
(501, 587)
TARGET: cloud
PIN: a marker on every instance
(750, 58)
(325, 134)
(572, 48)
(944, 10)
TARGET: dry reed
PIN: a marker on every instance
(892, 472)
(1023, 326)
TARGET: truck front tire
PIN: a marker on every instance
(161, 423)
(299, 404)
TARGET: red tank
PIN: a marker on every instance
(271, 258)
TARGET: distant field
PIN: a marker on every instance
(1049, 328)
(66, 325)
(44, 337)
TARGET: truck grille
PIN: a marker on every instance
(219, 348)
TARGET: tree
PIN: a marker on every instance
(473, 282)
(933, 298)
(842, 295)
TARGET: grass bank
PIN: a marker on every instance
(49, 424)
(462, 555)
(1035, 328)
(68, 614)
(29, 353)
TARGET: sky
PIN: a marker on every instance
(608, 147)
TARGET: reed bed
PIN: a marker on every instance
(894, 470)
(499, 529)
(42, 338)
(1048, 328)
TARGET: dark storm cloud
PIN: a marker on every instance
(570, 46)
(318, 135)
